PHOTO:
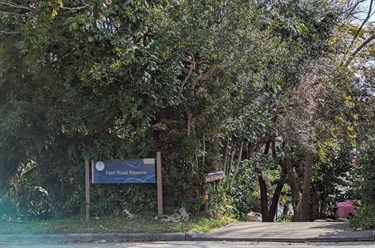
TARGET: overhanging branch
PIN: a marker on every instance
(17, 6)
(369, 14)
(9, 13)
(371, 38)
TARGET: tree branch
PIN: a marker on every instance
(5, 32)
(76, 8)
(204, 76)
(13, 5)
(372, 37)
(9, 13)
(192, 67)
(352, 9)
(207, 74)
(363, 23)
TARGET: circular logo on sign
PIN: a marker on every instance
(99, 165)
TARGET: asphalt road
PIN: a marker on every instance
(195, 244)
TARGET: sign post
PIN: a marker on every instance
(87, 188)
(121, 171)
(213, 176)
(140, 170)
(159, 183)
(207, 178)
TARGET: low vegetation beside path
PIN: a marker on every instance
(113, 224)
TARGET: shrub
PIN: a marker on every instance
(366, 162)
(8, 208)
(365, 219)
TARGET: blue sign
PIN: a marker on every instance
(124, 171)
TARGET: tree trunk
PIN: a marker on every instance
(263, 188)
(189, 122)
(226, 152)
(232, 153)
(263, 196)
(275, 200)
(204, 150)
(269, 211)
(238, 164)
(290, 173)
(303, 209)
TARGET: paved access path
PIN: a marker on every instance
(287, 231)
(239, 231)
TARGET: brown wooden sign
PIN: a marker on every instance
(213, 176)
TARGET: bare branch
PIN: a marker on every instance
(5, 32)
(202, 77)
(13, 5)
(18, 6)
(372, 37)
(192, 67)
(76, 8)
(369, 14)
(9, 13)
(352, 9)
(205, 75)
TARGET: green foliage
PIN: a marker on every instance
(142, 223)
(221, 202)
(332, 170)
(365, 162)
(244, 192)
(181, 188)
(208, 224)
(124, 79)
(34, 203)
(365, 218)
(114, 199)
(8, 208)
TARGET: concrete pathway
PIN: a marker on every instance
(239, 231)
(287, 231)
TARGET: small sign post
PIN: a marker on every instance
(213, 176)
(207, 178)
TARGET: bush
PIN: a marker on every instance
(35, 203)
(8, 208)
(365, 219)
(220, 202)
(243, 193)
(114, 199)
(366, 163)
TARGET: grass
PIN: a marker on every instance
(113, 224)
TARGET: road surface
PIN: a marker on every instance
(194, 244)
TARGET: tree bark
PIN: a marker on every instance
(226, 151)
(232, 153)
(303, 209)
(263, 196)
(189, 115)
(263, 188)
(290, 173)
(238, 163)
(275, 200)
(204, 150)
(269, 211)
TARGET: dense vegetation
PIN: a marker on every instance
(277, 94)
